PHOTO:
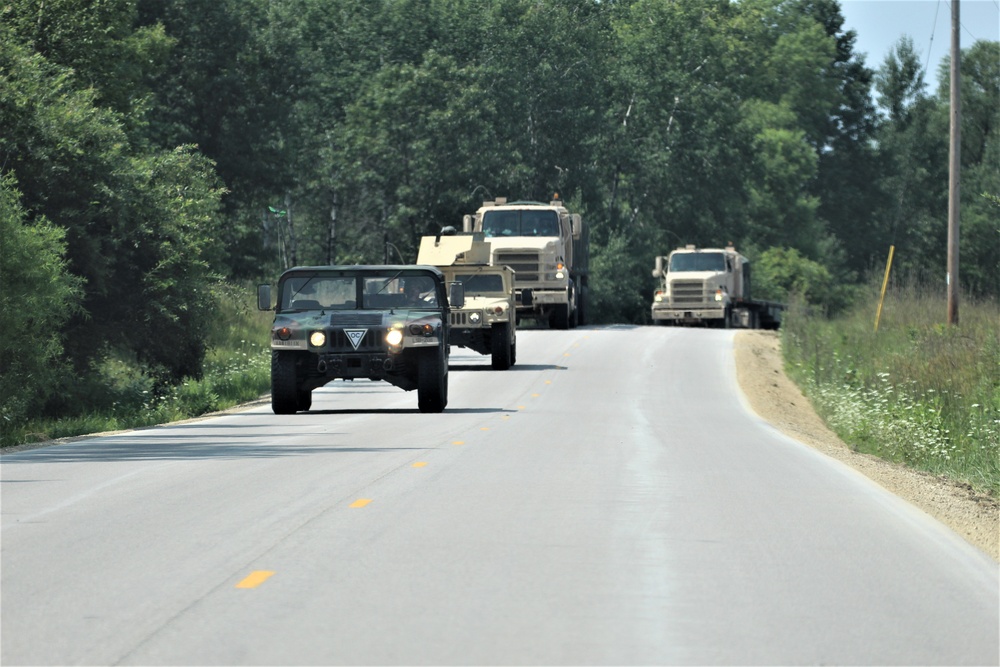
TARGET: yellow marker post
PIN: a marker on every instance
(885, 283)
(255, 579)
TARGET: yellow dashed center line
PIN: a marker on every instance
(520, 407)
(548, 382)
(360, 502)
(459, 442)
(255, 579)
(535, 395)
(420, 464)
(484, 428)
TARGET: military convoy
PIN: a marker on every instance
(383, 322)
(396, 323)
(710, 287)
(548, 249)
(487, 321)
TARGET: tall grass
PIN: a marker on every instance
(918, 391)
(236, 370)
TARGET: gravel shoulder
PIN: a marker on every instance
(776, 399)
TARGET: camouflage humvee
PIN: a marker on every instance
(378, 322)
(487, 321)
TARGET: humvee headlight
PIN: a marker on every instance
(394, 337)
(284, 333)
(317, 339)
(422, 330)
(474, 318)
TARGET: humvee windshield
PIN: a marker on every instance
(697, 261)
(520, 223)
(401, 289)
(481, 283)
(311, 292)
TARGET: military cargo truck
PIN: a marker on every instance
(487, 322)
(386, 322)
(710, 287)
(548, 249)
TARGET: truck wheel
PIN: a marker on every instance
(284, 384)
(432, 381)
(305, 400)
(727, 318)
(513, 353)
(559, 319)
(501, 351)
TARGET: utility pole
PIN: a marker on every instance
(954, 167)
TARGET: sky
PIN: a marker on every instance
(880, 23)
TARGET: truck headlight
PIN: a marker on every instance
(394, 337)
(317, 339)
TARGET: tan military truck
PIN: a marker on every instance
(487, 321)
(709, 287)
(547, 246)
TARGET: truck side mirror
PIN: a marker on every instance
(526, 298)
(263, 297)
(466, 223)
(456, 295)
(658, 271)
(577, 225)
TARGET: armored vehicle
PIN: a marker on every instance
(487, 322)
(378, 322)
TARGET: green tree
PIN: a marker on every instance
(38, 296)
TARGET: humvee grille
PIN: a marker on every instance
(460, 318)
(371, 342)
(526, 264)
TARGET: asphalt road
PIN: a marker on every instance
(609, 500)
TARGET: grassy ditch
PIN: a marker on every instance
(236, 370)
(918, 391)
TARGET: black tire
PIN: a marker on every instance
(513, 353)
(559, 319)
(432, 381)
(305, 400)
(284, 384)
(500, 342)
(581, 306)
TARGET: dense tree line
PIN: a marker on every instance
(151, 147)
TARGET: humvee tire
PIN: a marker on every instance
(284, 384)
(305, 400)
(501, 352)
(432, 381)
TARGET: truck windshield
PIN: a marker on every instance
(312, 292)
(520, 223)
(697, 261)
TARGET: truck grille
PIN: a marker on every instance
(526, 264)
(687, 292)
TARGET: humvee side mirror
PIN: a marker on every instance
(456, 296)
(263, 297)
(526, 297)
